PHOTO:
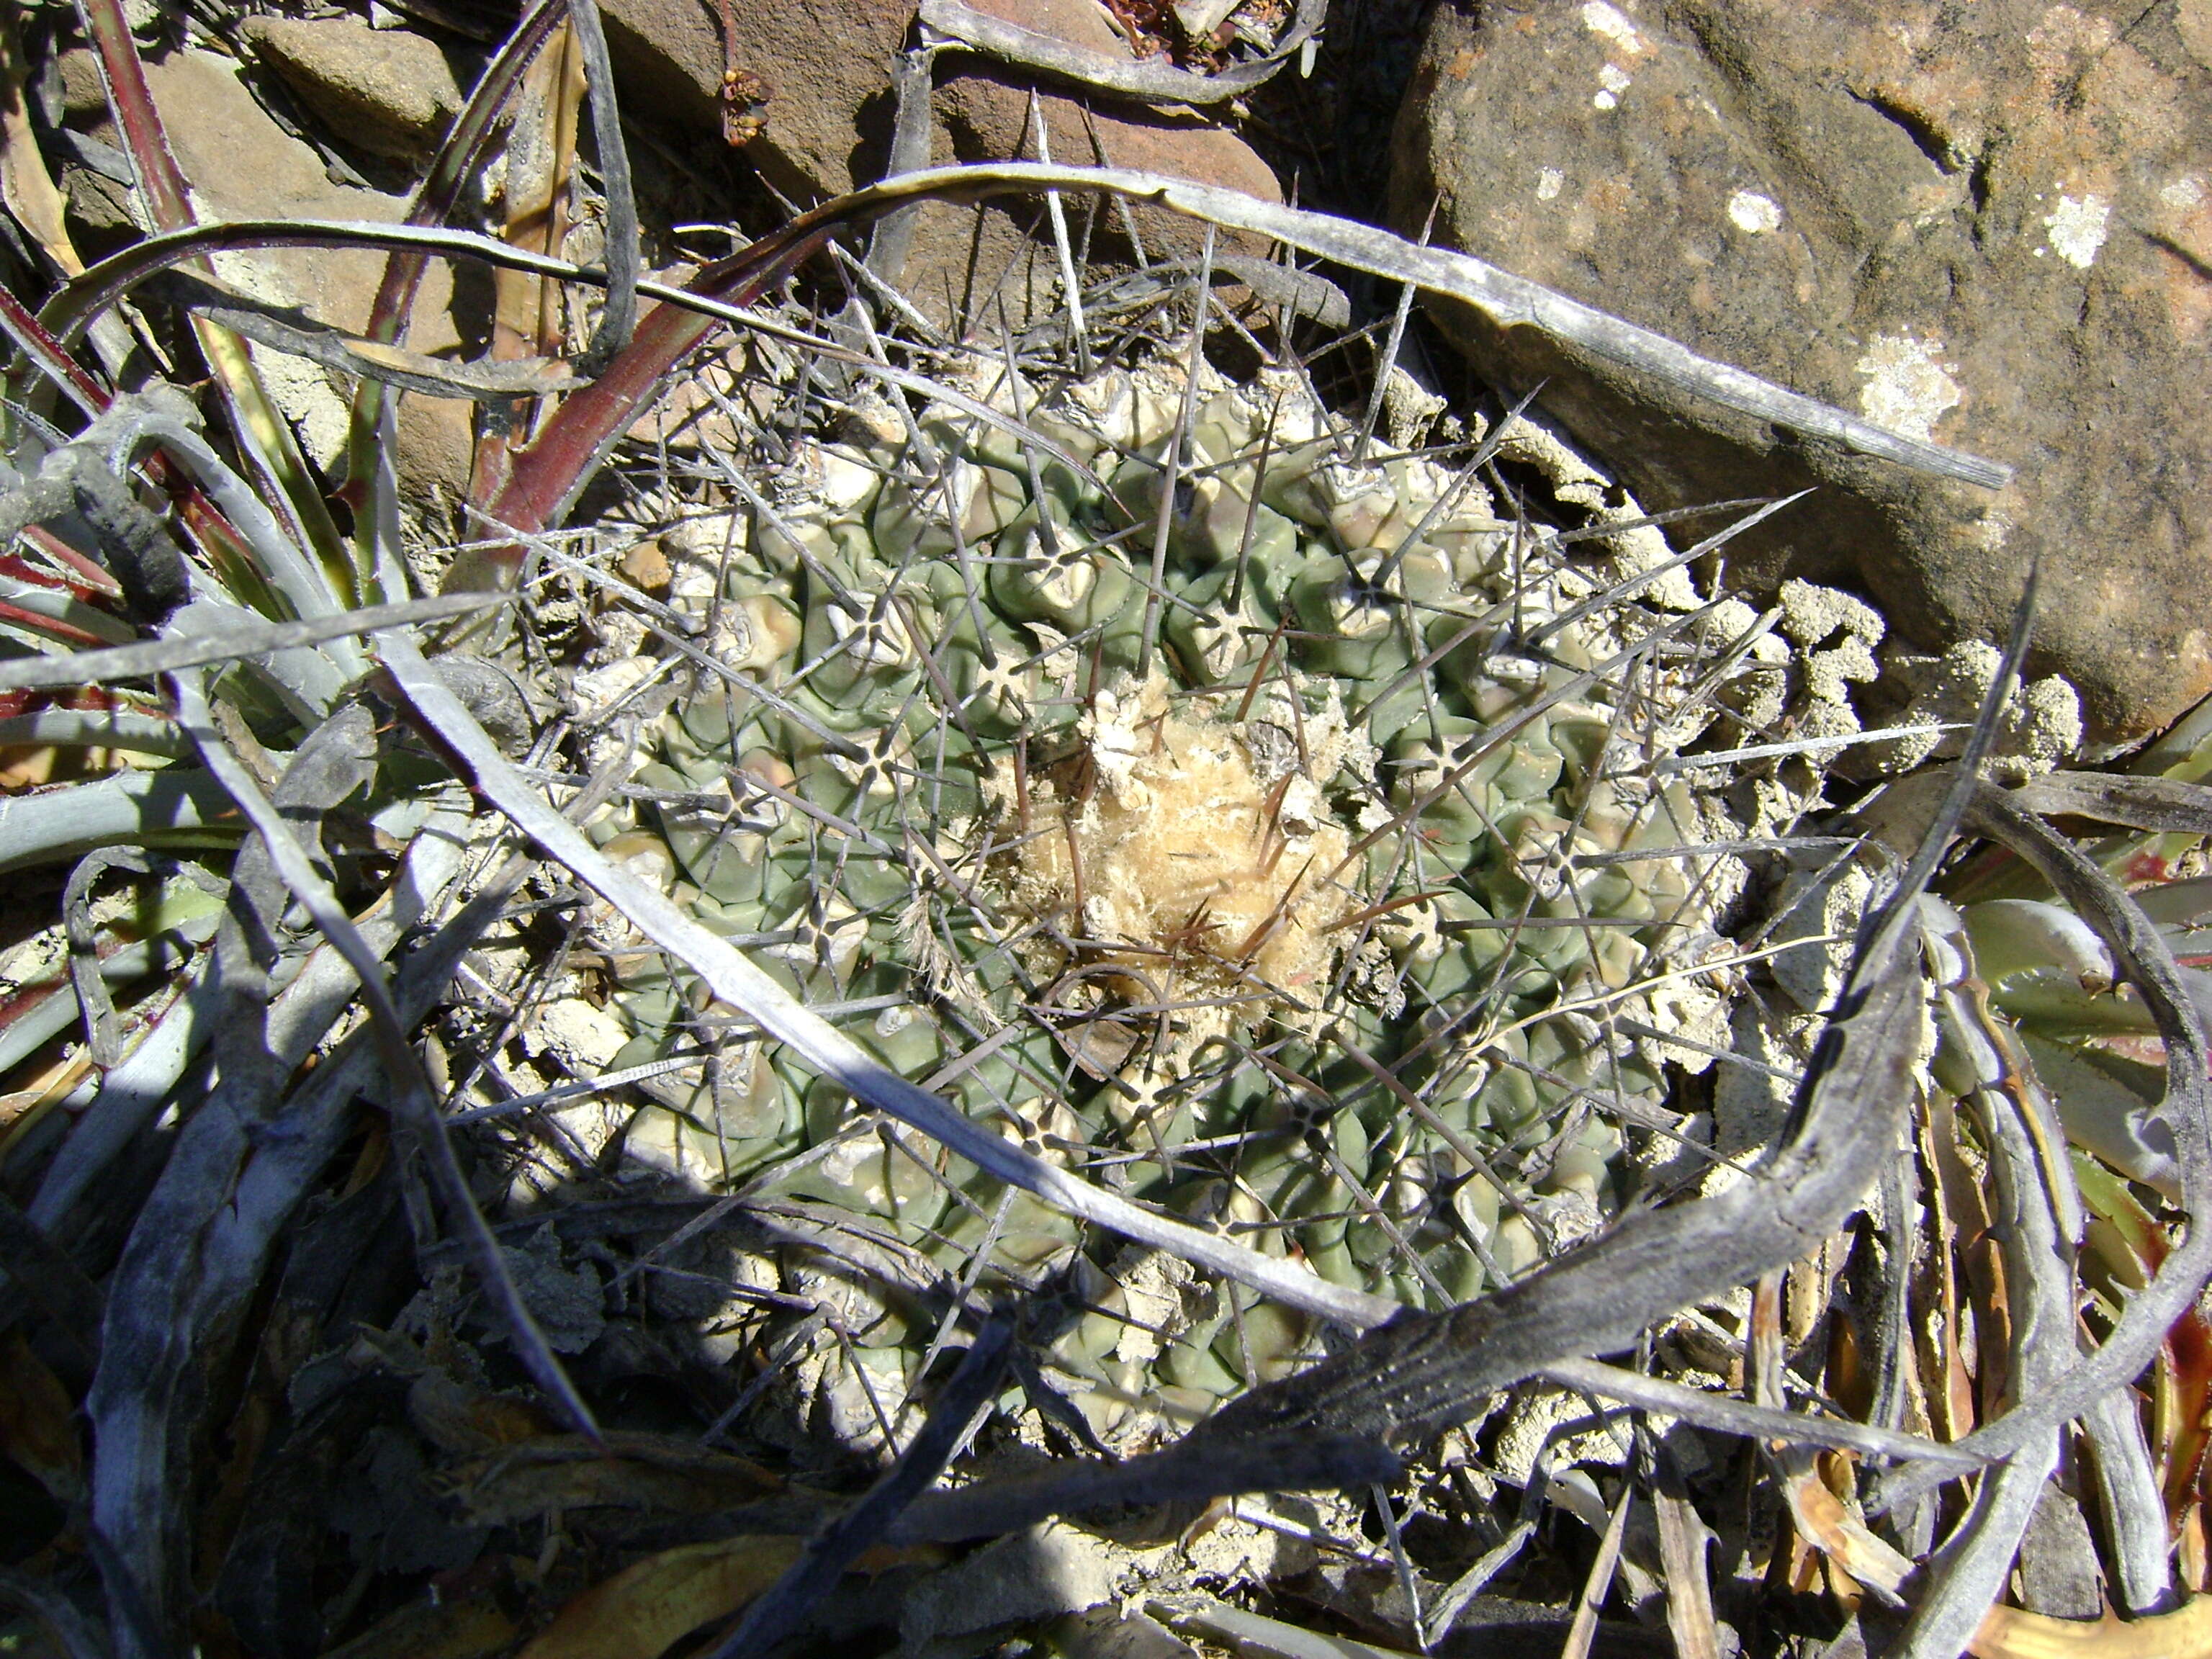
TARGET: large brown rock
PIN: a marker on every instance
(390, 92)
(1988, 224)
(827, 66)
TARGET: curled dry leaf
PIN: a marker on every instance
(447, 1627)
(642, 1610)
(634, 1471)
(2011, 1634)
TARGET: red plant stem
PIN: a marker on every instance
(160, 181)
(162, 185)
(85, 700)
(458, 159)
(210, 531)
(68, 633)
(50, 356)
(548, 476)
(85, 579)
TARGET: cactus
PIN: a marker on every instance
(1271, 854)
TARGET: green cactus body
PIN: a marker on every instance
(1168, 928)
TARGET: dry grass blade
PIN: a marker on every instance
(1150, 80)
(1256, 1635)
(227, 639)
(1684, 1544)
(283, 328)
(1581, 1630)
(2147, 960)
(414, 1107)
(584, 428)
(1760, 1422)
(1278, 1463)
(623, 256)
(2165, 803)
(1507, 298)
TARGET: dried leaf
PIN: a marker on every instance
(458, 1419)
(1255, 1635)
(288, 328)
(636, 1472)
(2009, 1633)
(638, 1612)
(1951, 1399)
(1583, 1629)
(26, 185)
(1683, 1538)
(465, 1627)
(1151, 80)
(38, 1425)
(1842, 1536)
(1821, 1517)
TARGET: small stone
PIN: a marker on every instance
(1532, 1428)
(390, 92)
(585, 1039)
(648, 567)
(1041, 1573)
(597, 692)
(1199, 19)
(2059, 1576)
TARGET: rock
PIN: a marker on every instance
(826, 66)
(1991, 225)
(435, 439)
(93, 174)
(99, 221)
(82, 93)
(2059, 1576)
(1040, 1573)
(390, 92)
